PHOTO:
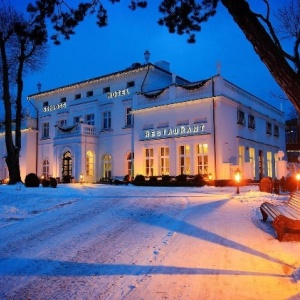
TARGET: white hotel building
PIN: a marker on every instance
(145, 120)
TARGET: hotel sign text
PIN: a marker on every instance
(173, 132)
(55, 107)
(117, 93)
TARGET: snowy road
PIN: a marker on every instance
(126, 242)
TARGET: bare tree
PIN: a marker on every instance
(18, 52)
(289, 29)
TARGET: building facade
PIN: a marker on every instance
(145, 120)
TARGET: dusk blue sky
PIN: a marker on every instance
(94, 51)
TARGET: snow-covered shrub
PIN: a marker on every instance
(153, 179)
(45, 182)
(199, 180)
(182, 178)
(139, 179)
(53, 182)
(31, 180)
(166, 178)
(266, 185)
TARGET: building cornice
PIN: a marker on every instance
(96, 80)
(170, 105)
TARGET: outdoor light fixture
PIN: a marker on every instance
(237, 178)
(147, 55)
(81, 178)
(297, 179)
(209, 178)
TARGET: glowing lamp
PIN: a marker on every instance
(298, 179)
(237, 178)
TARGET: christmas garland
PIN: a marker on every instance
(68, 129)
(153, 95)
(194, 86)
(184, 86)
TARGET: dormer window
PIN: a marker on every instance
(106, 89)
(130, 84)
(89, 93)
(77, 96)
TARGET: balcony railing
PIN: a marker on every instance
(76, 130)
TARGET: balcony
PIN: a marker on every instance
(76, 130)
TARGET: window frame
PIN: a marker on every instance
(106, 120)
(45, 130)
(241, 117)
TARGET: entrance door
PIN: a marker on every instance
(67, 167)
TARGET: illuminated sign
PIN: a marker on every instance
(173, 132)
(55, 107)
(117, 93)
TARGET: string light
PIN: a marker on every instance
(169, 106)
(82, 84)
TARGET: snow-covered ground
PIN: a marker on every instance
(126, 242)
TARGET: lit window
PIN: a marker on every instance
(184, 159)
(252, 159)
(269, 164)
(106, 162)
(89, 164)
(241, 157)
(202, 159)
(129, 162)
(46, 168)
(164, 161)
(149, 162)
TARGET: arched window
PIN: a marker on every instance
(89, 163)
(46, 168)
(106, 163)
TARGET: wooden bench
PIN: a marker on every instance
(286, 217)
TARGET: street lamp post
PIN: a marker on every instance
(237, 178)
